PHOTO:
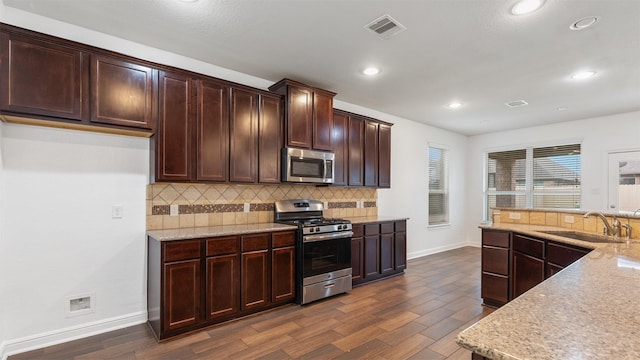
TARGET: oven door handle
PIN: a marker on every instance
(328, 236)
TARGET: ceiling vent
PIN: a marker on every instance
(385, 27)
(516, 103)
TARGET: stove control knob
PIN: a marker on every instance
(317, 229)
(339, 227)
(311, 230)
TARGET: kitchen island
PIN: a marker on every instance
(590, 310)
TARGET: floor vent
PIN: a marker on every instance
(385, 27)
(516, 103)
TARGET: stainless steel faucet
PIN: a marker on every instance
(637, 210)
(613, 229)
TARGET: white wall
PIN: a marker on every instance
(409, 191)
(59, 239)
(3, 270)
(598, 136)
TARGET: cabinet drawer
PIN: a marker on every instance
(528, 246)
(401, 226)
(358, 230)
(495, 238)
(372, 229)
(255, 242)
(495, 287)
(386, 228)
(283, 239)
(495, 260)
(222, 246)
(563, 255)
(183, 250)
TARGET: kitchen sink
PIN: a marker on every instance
(594, 238)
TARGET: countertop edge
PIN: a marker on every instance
(216, 231)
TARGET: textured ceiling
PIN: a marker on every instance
(472, 51)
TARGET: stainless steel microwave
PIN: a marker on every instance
(307, 166)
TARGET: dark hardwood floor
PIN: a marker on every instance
(413, 316)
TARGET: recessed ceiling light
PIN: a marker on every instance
(582, 75)
(584, 23)
(455, 105)
(370, 71)
(524, 7)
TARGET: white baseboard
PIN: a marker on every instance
(421, 253)
(38, 341)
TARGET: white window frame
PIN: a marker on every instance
(447, 216)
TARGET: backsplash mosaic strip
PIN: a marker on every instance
(223, 204)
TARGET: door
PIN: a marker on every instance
(255, 279)
(371, 154)
(384, 156)
(340, 141)
(322, 121)
(222, 286)
(212, 131)
(283, 268)
(270, 140)
(181, 294)
(624, 181)
(356, 151)
(243, 129)
(299, 117)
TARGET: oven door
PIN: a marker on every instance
(326, 253)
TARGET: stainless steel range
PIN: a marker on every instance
(323, 249)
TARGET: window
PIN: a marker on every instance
(544, 177)
(438, 187)
(624, 181)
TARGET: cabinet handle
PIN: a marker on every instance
(329, 285)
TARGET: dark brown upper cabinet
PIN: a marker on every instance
(340, 141)
(308, 115)
(243, 126)
(43, 78)
(384, 156)
(123, 93)
(371, 154)
(356, 151)
(270, 139)
(212, 131)
(50, 81)
(172, 142)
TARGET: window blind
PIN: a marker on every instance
(438, 187)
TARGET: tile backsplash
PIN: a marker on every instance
(224, 204)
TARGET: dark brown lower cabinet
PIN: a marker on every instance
(378, 250)
(200, 282)
(513, 263)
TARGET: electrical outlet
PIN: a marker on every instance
(568, 219)
(81, 304)
(514, 215)
(174, 210)
(247, 207)
(326, 205)
(117, 212)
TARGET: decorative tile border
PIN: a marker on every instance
(342, 205)
(370, 204)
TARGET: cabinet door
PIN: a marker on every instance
(357, 259)
(322, 121)
(174, 151)
(371, 154)
(527, 273)
(283, 274)
(41, 78)
(371, 256)
(223, 284)
(386, 253)
(212, 127)
(255, 279)
(243, 127)
(400, 251)
(181, 294)
(122, 93)
(299, 117)
(340, 141)
(356, 151)
(495, 289)
(270, 140)
(384, 156)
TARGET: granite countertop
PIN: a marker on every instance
(212, 231)
(372, 219)
(590, 310)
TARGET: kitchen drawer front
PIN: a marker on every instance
(372, 229)
(181, 250)
(528, 246)
(255, 242)
(564, 255)
(495, 260)
(283, 239)
(386, 228)
(496, 288)
(495, 238)
(401, 226)
(358, 230)
(222, 246)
